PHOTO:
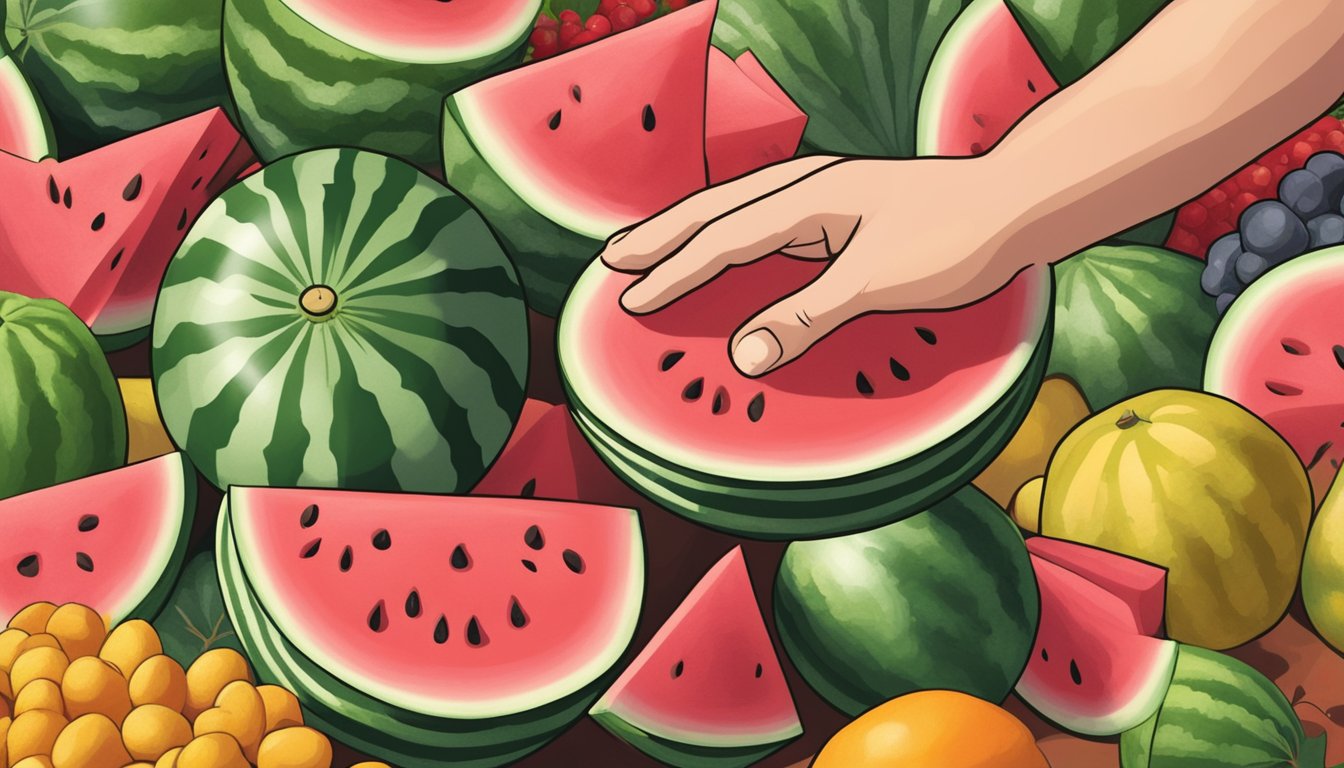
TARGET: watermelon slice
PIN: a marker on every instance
(1093, 671)
(1142, 586)
(96, 231)
(708, 688)
(24, 128)
(113, 541)
(749, 121)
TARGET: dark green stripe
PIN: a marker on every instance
(290, 439)
(360, 438)
(190, 339)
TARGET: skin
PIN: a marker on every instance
(1205, 85)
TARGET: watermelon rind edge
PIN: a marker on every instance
(159, 574)
(684, 754)
(943, 70)
(30, 114)
(1132, 714)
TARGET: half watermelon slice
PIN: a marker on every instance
(95, 232)
(431, 628)
(708, 689)
(24, 129)
(112, 541)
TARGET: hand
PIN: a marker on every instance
(900, 235)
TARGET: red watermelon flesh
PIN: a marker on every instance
(1142, 586)
(709, 678)
(112, 541)
(451, 606)
(427, 32)
(747, 125)
(1092, 671)
(985, 76)
(23, 124)
(96, 231)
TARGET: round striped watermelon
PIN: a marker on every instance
(24, 129)
(106, 69)
(317, 73)
(339, 319)
(60, 413)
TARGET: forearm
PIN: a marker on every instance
(1205, 86)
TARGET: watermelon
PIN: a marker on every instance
(749, 121)
(316, 73)
(1094, 669)
(1141, 586)
(339, 319)
(61, 416)
(561, 153)
(96, 231)
(847, 437)
(107, 69)
(708, 689)
(1278, 353)
(24, 129)
(1220, 713)
(61, 543)
(427, 629)
(944, 599)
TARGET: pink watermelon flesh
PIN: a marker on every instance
(986, 77)
(423, 31)
(96, 231)
(710, 676)
(451, 606)
(1142, 586)
(746, 126)
(1092, 671)
(874, 392)
(111, 541)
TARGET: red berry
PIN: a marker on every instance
(583, 38)
(677, 5)
(623, 18)
(1182, 240)
(605, 7)
(546, 21)
(1192, 216)
(1244, 201)
(545, 42)
(599, 25)
(644, 8)
(1215, 196)
(1301, 152)
(568, 31)
(1335, 138)
(569, 14)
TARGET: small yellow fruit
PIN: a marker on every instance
(296, 747)
(140, 765)
(129, 644)
(282, 708)
(37, 664)
(153, 729)
(213, 750)
(40, 640)
(1026, 505)
(92, 685)
(239, 712)
(79, 629)
(33, 619)
(159, 680)
(39, 694)
(6, 693)
(4, 708)
(33, 733)
(208, 675)
(1059, 406)
(36, 761)
(89, 741)
(5, 722)
(371, 764)
(10, 640)
(169, 759)
(145, 434)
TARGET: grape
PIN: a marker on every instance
(1249, 267)
(1223, 301)
(1271, 230)
(1304, 193)
(1220, 274)
(1329, 167)
(1326, 230)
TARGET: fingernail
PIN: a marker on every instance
(614, 239)
(632, 299)
(756, 352)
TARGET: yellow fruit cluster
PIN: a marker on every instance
(74, 695)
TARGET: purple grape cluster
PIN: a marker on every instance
(1307, 216)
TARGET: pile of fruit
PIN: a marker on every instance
(568, 29)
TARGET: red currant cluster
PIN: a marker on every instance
(551, 35)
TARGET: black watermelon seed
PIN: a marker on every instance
(475, 637)
(576, 93)
(441, 630)
(529, 488)
(204, 152)
(347, 559)
(98, 222)
(116, 260)
(1294, 347)
(533, 538)
(678, 668)
(308, 518)
(926, 334)
(573, 561)
(649, 119)
(197, 182)
(1044, 656)
(978, 118)
(977, 148)
(554, 122)
(694, 390)
(1031, 86)
(382, 539)
(720, 404)
(529, 565)
(132, 189)
(899, 371)
(1339, 355)
(88, 523)
(53, 190)
(756, 408)
(310, 548)
(413, 604)
(30, 566)
(862, 384)
(1320, 454)
(759, 670)
(459, 560)
(516, 615)
(1074, 673)
(1281, 389)
(378, 618)
(182, 220)
(670, 359)
(69, 198)
(84, 562)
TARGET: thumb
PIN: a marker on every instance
(788, 328)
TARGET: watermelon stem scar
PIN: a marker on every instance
(318, 300)
(1130, 419)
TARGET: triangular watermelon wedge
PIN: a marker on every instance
(24, 128)
(749, 121)
(1142, 586)
(95, 232)
(708, 689)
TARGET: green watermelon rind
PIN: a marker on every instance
(962, 628)
(550, 253)
(405, 738)
(679, 753)
(297, 88)
(25, 111)
(943, 71)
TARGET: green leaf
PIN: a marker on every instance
(1073, 36)
(194, 620)
(584, 8)
(1312, 753)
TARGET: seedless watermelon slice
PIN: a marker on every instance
(708, 688)
(113, 541)
(1142, 586)
(24, 129)
(422, 32)
(458, 607)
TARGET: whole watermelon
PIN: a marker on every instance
(339, 319)
(60, 415)
(108, 68)
(1129, 319)
(945, 599)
